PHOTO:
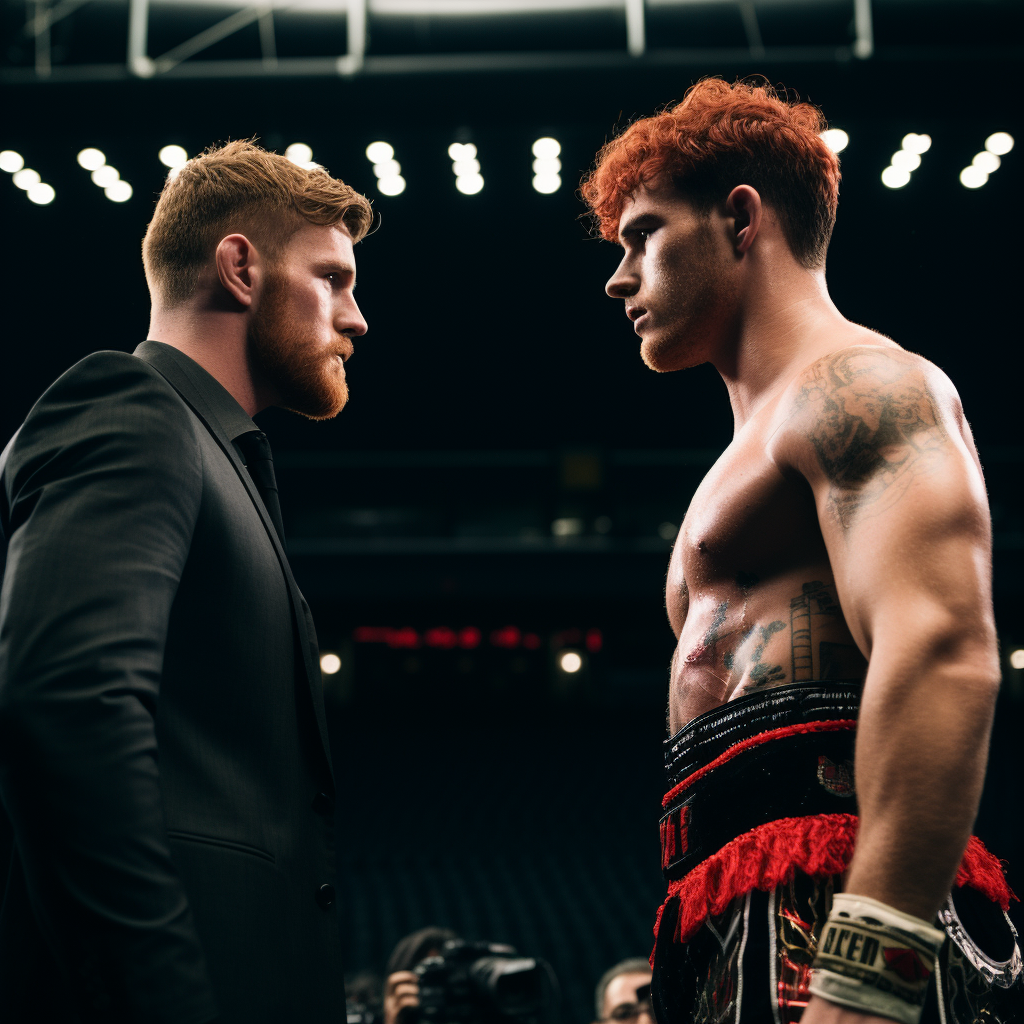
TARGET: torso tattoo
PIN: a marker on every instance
(750, 589)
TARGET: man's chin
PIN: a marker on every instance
(666, 355)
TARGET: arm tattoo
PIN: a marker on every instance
(876, 427)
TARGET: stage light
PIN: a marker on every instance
(174, 157)
(905, 160)
(547, 183)
(668, 531)
(999, 143)
(1017, 658)
(11, 161)
(547, 165)
(836, 139)
(329, 663)
(392, 185)
(570, 662)
(465, 167)
(469, 184)
(546, 148)
(299, 153)
(973, 177)
(567, 527)
(462, 151)
(379, 152)
(40, 193)
(387, 168)
(986, 161)
(118, 192)
(105, 176)
(914, 143)
(91, 159)
(894, 177)
(26, 178)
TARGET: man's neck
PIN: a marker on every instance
(782, 328)
(217, 341)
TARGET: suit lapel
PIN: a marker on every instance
(178, 377)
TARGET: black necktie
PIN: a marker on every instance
(260, 463)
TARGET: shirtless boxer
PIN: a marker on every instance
(836, 671)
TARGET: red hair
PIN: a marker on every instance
(719, 137)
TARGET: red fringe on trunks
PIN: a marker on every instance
(818, 845)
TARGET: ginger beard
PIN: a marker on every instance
(307, 376)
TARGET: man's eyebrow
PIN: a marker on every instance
(638, 223)
(334, 267)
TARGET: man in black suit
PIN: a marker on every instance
(164, 760)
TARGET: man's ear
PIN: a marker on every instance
(743, 205)
(237, 267)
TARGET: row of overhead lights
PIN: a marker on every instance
(466, 166)
(30, 181)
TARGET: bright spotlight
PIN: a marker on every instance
(40, 193)
(379, 152)
(90, 159)
(1000, 143)
(895, 177)
(173, 156)
(329, 663)
(391, 185)
(105, 176)
(973, 177)
(1017, 658)
(469, 184)
(546, 148)
(547, 165)
(836, 139)
(570, 662)
(914, 143)
(118, 192)
(26, 178)
(547, 183)
(462, 151)
(906, 161)
(470, 166)
(387, 168)
(987, 161)
(299, 153)
(11, 161)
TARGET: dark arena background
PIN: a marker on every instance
(483, 533)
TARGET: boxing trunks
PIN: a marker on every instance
(758, 827)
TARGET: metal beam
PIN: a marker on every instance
(864, 46)
(214, 34)
(752, 28)
(268, 40)
(138, 39)
(352, 62)
(51, 16)
(636, 39)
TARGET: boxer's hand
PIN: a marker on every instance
(821, 1011)
(401, 992)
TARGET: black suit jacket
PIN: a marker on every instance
(163, 748)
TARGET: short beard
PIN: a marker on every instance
(304, 378)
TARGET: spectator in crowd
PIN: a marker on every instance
(402, 989)
(624, 993)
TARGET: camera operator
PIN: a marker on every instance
(402, 988)
(623, 995)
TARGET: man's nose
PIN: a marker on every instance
(351, 320)
(622, 284)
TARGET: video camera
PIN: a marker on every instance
(485, 983)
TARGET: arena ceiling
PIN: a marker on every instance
(110, 40)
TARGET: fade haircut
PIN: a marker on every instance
(721, 136)
(242, 188)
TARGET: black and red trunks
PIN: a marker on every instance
(758, 827)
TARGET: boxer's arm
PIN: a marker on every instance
(903, 511)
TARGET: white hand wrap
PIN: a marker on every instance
(875, 959)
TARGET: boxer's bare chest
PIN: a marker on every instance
(750, 591)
